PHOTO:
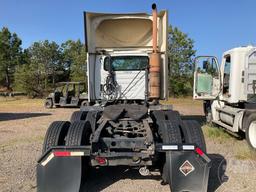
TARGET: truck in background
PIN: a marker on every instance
(229, 90)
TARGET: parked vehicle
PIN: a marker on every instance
(67, 94)
(125, 124)
(229, 90)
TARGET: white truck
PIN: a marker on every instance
(229, 90)
(125, 125)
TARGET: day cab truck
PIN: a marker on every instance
(124, 124)
(229, 91)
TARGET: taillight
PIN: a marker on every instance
(61, 153)
(101, 160)
(199, 151)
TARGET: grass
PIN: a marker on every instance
(20, 101)
(17, 141)
(214, 132)
(244, 152)
(239, 148)
(182, 101)
(24, 101)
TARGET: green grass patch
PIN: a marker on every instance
(17, 141)
(243, 152)
(238, 147)
(182, 101)
(216, 133)
(20, 101)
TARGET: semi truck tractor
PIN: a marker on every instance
(124, 123)
(229, 91)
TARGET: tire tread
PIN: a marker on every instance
(55, 134)
(195, 133)
(76, 133)
(78, 116)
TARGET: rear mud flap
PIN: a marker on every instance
(188, 171)
(59, 173)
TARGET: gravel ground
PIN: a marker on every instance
(23, 124)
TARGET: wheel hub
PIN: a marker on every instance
(252, 134)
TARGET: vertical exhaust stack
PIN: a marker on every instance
(154, 63)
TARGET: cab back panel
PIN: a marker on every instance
(126, 32)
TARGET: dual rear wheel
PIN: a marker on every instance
(62, 133)
(173, 130)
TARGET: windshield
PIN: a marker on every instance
(126, 63)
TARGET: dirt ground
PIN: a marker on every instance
(23, 124)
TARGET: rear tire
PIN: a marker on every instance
(78, 116)
(170, 134)
(194, 133)
(174, 116)
(55, 134)
(48, 104)
(79, 134)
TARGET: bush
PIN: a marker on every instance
(181, 86)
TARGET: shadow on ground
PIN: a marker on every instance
(217, 172)
(100, 179)
(15, 116)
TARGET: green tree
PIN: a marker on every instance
(10, 55)
(42, 69)
(30, 80)
(74, 55)
(181, 54)
(47, 56)
(30, 77)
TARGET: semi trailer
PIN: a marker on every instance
(229, 91)
(124, 123)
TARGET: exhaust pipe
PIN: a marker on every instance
(154, 28)
(154, 63)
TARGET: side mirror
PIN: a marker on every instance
(207, 64)
(107, 66)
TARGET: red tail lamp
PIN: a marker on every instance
(101, 160)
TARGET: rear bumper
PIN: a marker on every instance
(81, 151)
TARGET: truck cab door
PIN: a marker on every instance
(206, 78)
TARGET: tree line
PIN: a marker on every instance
(36, 69)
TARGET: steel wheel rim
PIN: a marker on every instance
(252, 134)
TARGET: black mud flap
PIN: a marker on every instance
(59, 171)
(188, 171)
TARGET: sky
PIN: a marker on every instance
(215, 26)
